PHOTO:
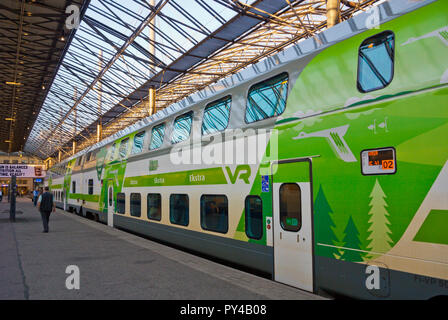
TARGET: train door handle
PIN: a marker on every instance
(298, 238)
(280, 236)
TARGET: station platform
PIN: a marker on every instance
(113, 264)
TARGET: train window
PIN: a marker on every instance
(254, 217)
(267, 99)
(157, 134)
(90, 189)
(182, 127)
(136, 204)
(290, 207)
(123, 148)
(179, 209)
(73, 186)
(154, 206)
(139, 138)
(78, 161)
(121, 203)
(376, 62)
(214, 213)
(216, 116)
(111, 154)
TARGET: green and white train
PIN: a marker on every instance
(337, 180)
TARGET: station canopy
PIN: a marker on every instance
(121, 49)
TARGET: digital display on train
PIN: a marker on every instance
(378, 161)
(383, 158)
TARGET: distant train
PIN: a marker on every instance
(325, 165)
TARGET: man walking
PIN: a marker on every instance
(46, 206)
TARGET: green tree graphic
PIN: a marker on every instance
(325, 225)
(379, 236)
(351, 240)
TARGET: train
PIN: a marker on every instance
(324, 166)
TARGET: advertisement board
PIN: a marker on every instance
(22, 170)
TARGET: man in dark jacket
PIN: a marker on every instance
(46, 206)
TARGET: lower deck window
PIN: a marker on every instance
(154, 206)
(136, 204)
(214, 213)
(121, 203)
(179, 209)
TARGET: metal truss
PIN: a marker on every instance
(197, 43)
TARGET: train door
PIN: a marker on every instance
(293, 228)
(64, 199)
(110, 204)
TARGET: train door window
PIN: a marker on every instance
(90, 189)
(121, 203)
(73, 186)
(376, 62)
(136, 204)
(216, 116)
(154, 206)
(123, 148)
(214, 213)
(267, 99)
(110, 197)
(179, 209)
(290, 207)
(182, 127)
(139, 138)
(157, 134)
(254, 217)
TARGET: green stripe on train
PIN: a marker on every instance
(190, 177)
(86, 197)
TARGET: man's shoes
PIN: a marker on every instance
(45, 231)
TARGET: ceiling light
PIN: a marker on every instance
(13, 83)
(9, 119)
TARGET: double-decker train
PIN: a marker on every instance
(325, 165)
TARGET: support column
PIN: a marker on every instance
(333, 12)
(99, 131)
(74, 127)
(152, 101)
(99, 126)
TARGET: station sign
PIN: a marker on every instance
(22, 170)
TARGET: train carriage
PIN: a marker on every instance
(325, 165)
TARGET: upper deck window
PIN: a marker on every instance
(182, 127)
(157, 134)
(139, 138)
(216, 116)
(376, 62)
(267, 99)
(123, 148)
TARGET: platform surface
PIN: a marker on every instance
(113, 264)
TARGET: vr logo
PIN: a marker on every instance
(242, 172)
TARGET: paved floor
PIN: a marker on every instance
(113, 264)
